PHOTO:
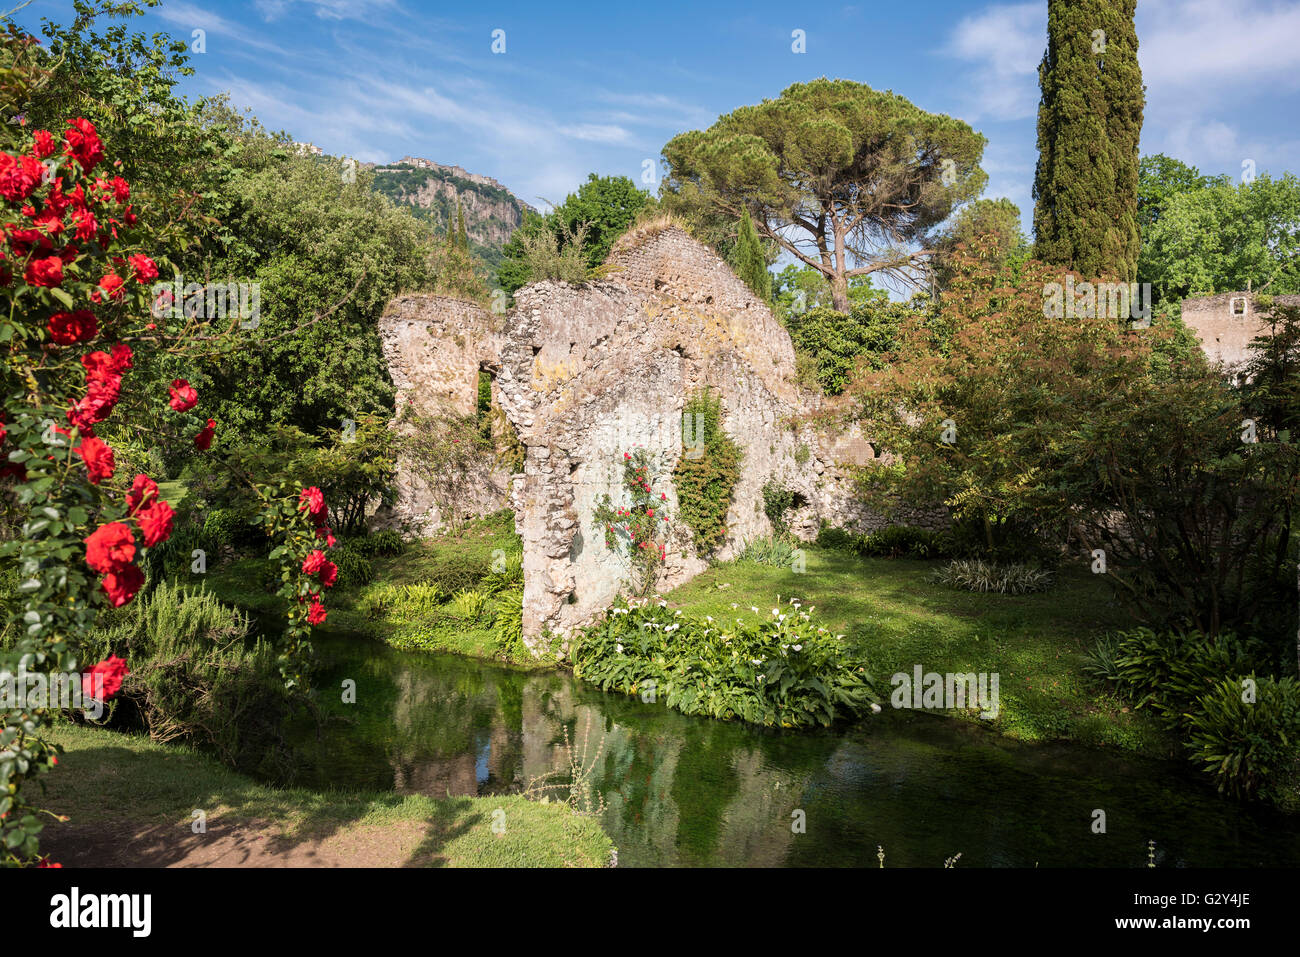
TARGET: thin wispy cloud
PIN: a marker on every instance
(999, 50)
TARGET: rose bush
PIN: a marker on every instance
(75, 274)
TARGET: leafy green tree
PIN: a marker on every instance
(608, 205)
(969, 407)
(1160, 179)
(1225, 237)
(831, 346)
(327, 256)
(997, 218)
(848, 180)
(748, 261)
(599, 212)
(1089, 123)
(798, 289)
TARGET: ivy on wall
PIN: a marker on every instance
(707, 473)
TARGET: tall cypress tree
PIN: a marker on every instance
(748, 261)
(1089, 123)
(462, 237)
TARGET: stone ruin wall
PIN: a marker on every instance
(1225, 336)
(586, 373)
(435, 347)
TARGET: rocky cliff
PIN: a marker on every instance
(492, 212)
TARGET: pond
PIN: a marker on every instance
(680, 791)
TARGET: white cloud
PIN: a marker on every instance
(324, 9)
(597, 133)
(189, 17)
(1003, 46)
(1248, 44)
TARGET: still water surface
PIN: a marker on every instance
(683, 791)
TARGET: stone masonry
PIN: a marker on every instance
(1226, 323)
(586, 373)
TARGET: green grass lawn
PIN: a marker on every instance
(893, 619)
(124, 781)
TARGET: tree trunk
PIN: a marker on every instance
(840, 292)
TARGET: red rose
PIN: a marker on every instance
(145, 270)
(121, 191)
(313, 562)
(183, 396)
(122, 357)
(325, 533)
(48, 221)
(329, 574)
(110, 547)
(111, 285)
(94, 407)
(121, 586)
(155, 523)
(204, 438)
(100, 367)
(98, 457)
(16, 179)
(143, 489)
(42, 143)
(44, 272)
(68, 328)
(82, 144)
(86, 225)
(312, 501)
(316, 613)
(104, 679)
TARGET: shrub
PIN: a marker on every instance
(458, 572)
(638, 532)
(778, 669)
(1250, 747)
(836, 538)
(776, 551)
(893, 541)
(902, 541)
(1168, 671)
(416, 600)
(509, 622)
(354, 568)
(510, 576)
(386, 542)
(194, 678)
(981, 576)
(227, 529)
(706, 483)
(776, 502)
(469, 604)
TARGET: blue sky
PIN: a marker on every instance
(601, 87)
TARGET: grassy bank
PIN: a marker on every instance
(894, 618)
(118, 784)
(409, 602)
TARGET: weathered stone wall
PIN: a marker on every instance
(587, 373)
(1224, 335)
(435, 347)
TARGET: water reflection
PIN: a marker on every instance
(687, 791)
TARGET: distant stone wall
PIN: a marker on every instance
(587, 373)
(1226, 323)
